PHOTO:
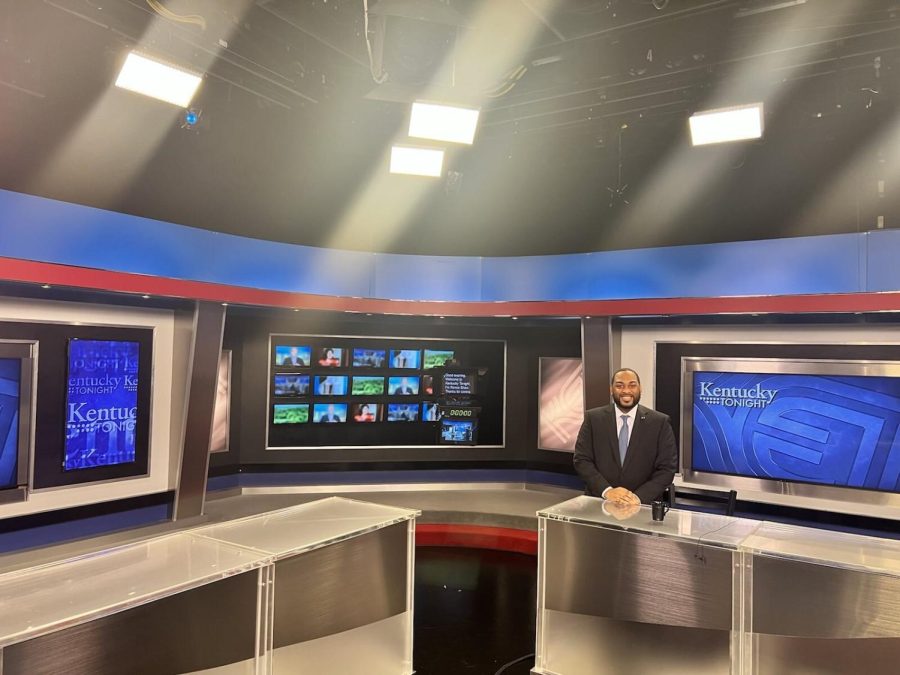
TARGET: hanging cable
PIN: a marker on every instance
(506, 86)
(195, 19)
(382, 78)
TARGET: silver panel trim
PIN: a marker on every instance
(810, 600)
(341, 586)
(380, 337)
(691, 364)
(636, 577)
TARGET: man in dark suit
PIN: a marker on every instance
(625, 452)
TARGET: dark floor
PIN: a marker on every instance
(474, 611)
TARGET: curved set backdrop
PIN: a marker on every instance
(44, 240)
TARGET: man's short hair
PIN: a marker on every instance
(612, 380)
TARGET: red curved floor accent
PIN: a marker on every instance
(477, 536)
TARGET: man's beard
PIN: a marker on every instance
(635, 399)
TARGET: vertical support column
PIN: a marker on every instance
(199, 405)
(410, 594)
(539, 617)
(265, 620)
(743, 641)
(597, 357)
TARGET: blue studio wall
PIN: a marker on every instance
(45, 230)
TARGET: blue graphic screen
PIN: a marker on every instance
(824, 429)
(101, 403)
(10, 370)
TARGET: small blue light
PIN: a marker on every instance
(190, 118)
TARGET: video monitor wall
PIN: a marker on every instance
(753, 422)
(368, 391)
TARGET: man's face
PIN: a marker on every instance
(294, 352)
(626, 390)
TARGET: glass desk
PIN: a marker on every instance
(307, 589)
(704, 593)
(340, 584)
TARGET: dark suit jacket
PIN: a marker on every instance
(650, 461)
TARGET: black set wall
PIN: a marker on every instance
(247, 336)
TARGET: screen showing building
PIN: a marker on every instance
(291, 385)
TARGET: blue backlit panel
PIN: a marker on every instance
(10, 372)
(101, 403)
(838, 430)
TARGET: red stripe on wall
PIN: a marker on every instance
(477, 536)
(13, 269)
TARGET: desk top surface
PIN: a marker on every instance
(813, 545)
(705, 528)
(296, 529)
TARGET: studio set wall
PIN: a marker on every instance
(100, 404)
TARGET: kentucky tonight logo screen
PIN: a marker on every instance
(101, 403)
(825, 429)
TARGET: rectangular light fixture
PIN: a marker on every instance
(152, 78)
(724, 125)
(443, 123)
(416, 161)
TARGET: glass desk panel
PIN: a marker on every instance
(305, 527)
(44, 599)
(701, 528)
(826, 547)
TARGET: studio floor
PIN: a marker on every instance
(474, 611)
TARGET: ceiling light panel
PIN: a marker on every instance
(724, 125)
(416, 161)
(158, 80)
(443, 123)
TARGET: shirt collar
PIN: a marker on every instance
(631, 413)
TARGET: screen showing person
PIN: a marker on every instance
(405, 358)
(364, 385)
(368, 358)
(292, 355)
(431, 411)
(458, 383)
(327, 413)
(331, 385)
(403, 412)
(365, 412)
(291, 385)
(436, 358)
(331, 357)
(290, 413)
(428, 385)
(101, 403)
(403, 386)
(457, 431)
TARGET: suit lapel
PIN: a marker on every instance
(611, 435)
(635, 441)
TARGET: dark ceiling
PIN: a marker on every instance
(583, 141)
